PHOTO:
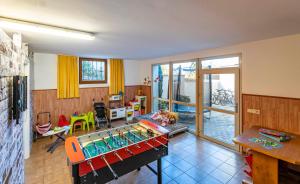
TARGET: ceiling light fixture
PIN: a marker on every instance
(45, 29)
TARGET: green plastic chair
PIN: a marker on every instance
(91, 120)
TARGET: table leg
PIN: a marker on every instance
(87, 123)
(71, 127)
(54, 145)
(265, 169)
(159, 171)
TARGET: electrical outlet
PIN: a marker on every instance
(253, 111)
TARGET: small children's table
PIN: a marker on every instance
(59, 132)
(77, 118)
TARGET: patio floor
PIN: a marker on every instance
(217, 125)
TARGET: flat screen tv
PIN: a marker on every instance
(19, 96)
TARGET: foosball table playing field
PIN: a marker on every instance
(103, 156)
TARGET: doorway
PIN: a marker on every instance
(219, 99)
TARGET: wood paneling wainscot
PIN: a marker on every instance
(278, 113)
(130, 92)
(147, 92)
(46, 101)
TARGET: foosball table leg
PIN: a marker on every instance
(159, 171)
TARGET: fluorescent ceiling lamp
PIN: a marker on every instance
(45, 29)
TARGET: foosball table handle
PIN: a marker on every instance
(115, 175)
(111, 170)
(92, 167)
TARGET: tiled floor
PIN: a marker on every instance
(190, 160)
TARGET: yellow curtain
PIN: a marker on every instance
(116, 81)
(67, 77)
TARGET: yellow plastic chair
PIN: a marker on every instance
(91, 120)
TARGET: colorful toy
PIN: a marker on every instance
(272, 132)
(165, 118)
(275, 138)
(268, 144)
(62, 121)
(275, 135)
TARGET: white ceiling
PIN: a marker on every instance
(140, 29)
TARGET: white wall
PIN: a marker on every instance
(269, 67)
(45, 72)
(133, 72)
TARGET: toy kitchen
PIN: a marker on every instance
(116, 109)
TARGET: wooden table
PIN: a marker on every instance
(265, 161)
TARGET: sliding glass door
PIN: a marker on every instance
(204, 93)
(160, 87)
(174, 89)
(220, 99)
(184, 92)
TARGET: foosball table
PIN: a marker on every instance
(103, 156)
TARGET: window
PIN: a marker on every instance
(221, 62)
(184, 82)
(183, 85)
(160, 87)
(92, 71)
(184, 92)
